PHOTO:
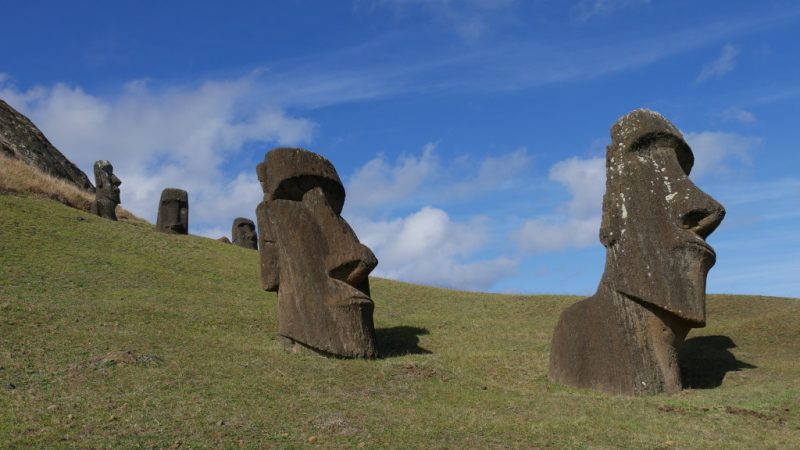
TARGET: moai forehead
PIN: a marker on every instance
(173, 194)
(102, 167)
(288, 173)
(640, 129)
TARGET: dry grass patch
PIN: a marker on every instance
(19, 178)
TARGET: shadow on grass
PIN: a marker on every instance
(399, 341)
(705, 360)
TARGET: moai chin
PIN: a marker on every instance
(107, 191)
(243, 233)
(624, 339)
(173, 212)
(312, 258)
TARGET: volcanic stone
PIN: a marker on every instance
(173, 212)
(312, 257)
(624, 339)
(107, 192)
(20, 139)
(243, 233)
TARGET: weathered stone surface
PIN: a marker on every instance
(624, 339)
(243, 233)
(173, 212)
(107, 192)
(312, 257)
(224, 240)
(20, 139)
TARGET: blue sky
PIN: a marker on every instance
(470, 134)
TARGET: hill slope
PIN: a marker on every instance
(112, 335)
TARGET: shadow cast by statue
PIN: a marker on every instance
(399, 341)
(705, 360)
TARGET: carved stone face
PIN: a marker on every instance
(312, 257)
(107, 192)
(244, 233)
(173, 212)
(107, 183)
(655, 219)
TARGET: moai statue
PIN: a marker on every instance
(624, 339)
(107, 192)
(224, 240)
(173, 212)
(243, 233)
(312, 257)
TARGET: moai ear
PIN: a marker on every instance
(267, 250)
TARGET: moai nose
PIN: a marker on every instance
(701, 214)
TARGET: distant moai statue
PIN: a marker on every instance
(243, 233)
(624, 339)
(224, 240)
(106, 196)
(312, 258)
(173, 212)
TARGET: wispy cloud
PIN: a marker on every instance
(720, 66)
(587, 9)
(719, 152)
(738, 115)
(468, 18)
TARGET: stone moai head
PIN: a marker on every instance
(655, 219)
(312, 258)
(173, 212)
(625, 338)
(107, 192)
(243, 233)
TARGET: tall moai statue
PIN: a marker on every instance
(107, 190)
(625, 338)
(173, 212)
(243, 233)
(312, 258)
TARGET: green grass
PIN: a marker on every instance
(462, 370)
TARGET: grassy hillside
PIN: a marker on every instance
(114, 336)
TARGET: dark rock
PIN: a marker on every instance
(312, 257)
(224, 240)
(624, 339)
(107, 192)
(20, 139)
(243, 233)
(173, 212)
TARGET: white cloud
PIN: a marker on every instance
(378, 182)
(577, 222)
(739, 115)
(587, 9)
(429, 247)
(720, 66)
(585, 179)
(715, 151)
(179, 137)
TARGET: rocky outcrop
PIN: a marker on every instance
(20, 139)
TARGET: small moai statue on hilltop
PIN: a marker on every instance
(107, 190)
(243, 233)
(312, 258)
(224, 240)
(173, 212)
(625, 338)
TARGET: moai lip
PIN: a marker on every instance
(312, 258)
(625, 338)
